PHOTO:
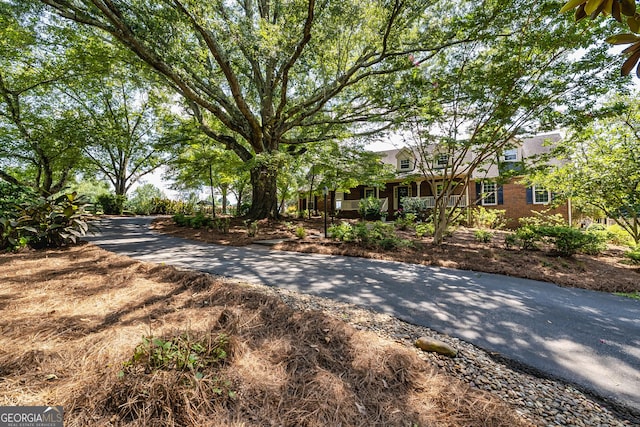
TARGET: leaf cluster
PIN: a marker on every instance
(29, 219)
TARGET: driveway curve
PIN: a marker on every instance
(583, 337)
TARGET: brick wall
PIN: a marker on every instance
(516, 206)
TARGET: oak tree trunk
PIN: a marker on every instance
(265, 193)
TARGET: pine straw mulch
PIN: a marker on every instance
(72, 317)
(607, 272)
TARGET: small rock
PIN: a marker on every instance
(430, 344)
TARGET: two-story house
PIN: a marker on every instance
(495, 185)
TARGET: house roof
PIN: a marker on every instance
(527, 148)
(539, 144)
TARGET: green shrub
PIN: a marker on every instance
(525, 238)
(633, 255)
(489, 218)
(379, 234)
(597, 227)
(193, 356)
(252, 228)
(343, 232)
(181, 220)
(143, 198)
(619, 236)
(180, 353)
(370, 208)
(301, 233)
(539, 219)
(200, 221)
(41, 222)
(483, 236)
(112, 204)
(568, 241)
(416, 206)
(405, 221)
(361, 233)
(423, 229)
(222, 224)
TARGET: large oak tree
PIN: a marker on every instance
(282, 73)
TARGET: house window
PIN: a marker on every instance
(489, 194)
(511, 155)
(442, 160)
(541, 196)
(369, 192)
(405, 164)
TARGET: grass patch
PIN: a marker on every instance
(632, 295)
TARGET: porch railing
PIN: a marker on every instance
(353, 205)
(455, 200)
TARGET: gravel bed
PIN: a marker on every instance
(542, 401)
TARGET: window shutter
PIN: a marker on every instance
(529, 195)
(500, 195)
(478, 193)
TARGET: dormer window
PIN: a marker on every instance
(405, 160)
(510, 155)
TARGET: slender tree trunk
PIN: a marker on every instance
(213, 197)
(224, 201)
(264, 202)
(313, 178)
(440, 221)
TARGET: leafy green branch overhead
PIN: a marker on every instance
(623, 11)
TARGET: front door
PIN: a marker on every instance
(402, 193)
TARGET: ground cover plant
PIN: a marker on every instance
(118, 342)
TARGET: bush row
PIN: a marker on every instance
(112, 204)
(200, 220)
(377, 234)
(566, 241)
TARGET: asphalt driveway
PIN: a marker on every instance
(583, 337)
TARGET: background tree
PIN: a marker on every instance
(143, 198)
(40, 133)
(127, 126)
(281, 74)
(601, 166)
(477, 98)
(201, 165)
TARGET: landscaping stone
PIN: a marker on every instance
(435, 346)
